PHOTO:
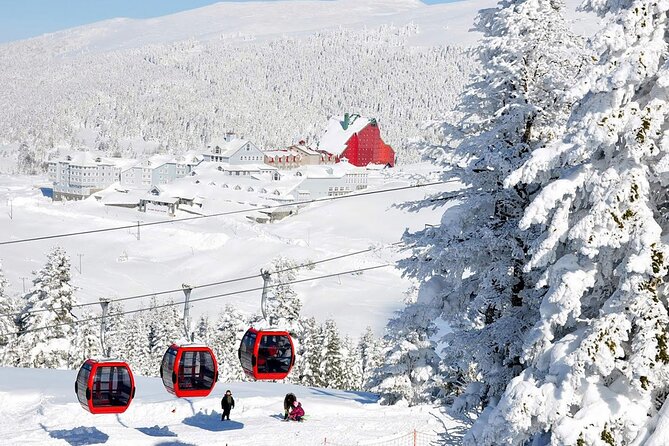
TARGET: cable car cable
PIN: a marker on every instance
(170, 304)
(206, 285)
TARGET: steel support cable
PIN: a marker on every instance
(220, 282)
(199, 299)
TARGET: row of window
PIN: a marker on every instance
(337, 194)
(288, 159)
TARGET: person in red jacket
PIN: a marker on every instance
(297, 413)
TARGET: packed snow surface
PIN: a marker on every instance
(39, 406)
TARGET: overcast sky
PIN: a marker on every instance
(20, 19)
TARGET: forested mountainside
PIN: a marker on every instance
(177, 97)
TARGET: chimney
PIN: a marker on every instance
(346, 122)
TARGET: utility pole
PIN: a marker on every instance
(138, 234)
(80, 256)
(23, 279)
(11, 208)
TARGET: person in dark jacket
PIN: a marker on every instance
(227, 404)
(288, 404)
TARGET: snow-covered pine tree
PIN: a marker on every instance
(471, 265)
(307, 358)
(86, 343)
(331, 366)
(27, 160)
(48, 304)
(352, 367)
(283, 303)
(116, 330)
(4, 283)
(165, 326)
(597, 360)
(203, 330)
(226, 336)
(135, 346)
(8, 310)
(409, 370)
(370, 351)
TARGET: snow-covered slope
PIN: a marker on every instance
(442, 24)
(272, 71)
(39, 407)
(116, 264)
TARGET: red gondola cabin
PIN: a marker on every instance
(266, 354)
(189, 370)
(105, 386)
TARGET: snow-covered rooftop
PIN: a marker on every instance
(292, 150)
(159, 160)
(337, 170)
(115, 195)
(247, 168)
(228, 148)
(189, 157)
(93, 159)
(160, 198)
(208, 168)
(304, 148)
(282, 152)
(335, 137)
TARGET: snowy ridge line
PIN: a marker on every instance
(215, 296)
(218, 214)
(221, 282)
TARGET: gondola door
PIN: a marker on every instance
(266, 354)
(105, 386)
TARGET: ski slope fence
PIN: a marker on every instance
(413, 438)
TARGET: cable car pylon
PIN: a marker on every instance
(104, 303)
(266, 354)
(187, 289)
(105, 385)
(266, 276)
(188, 369)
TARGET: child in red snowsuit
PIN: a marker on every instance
(297, 413)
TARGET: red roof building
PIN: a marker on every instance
(358, 139)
